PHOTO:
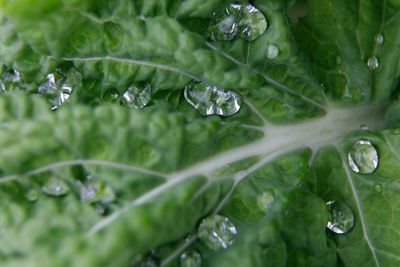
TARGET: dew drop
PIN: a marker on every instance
(378, 188)
(379, 39)
(32, 195)
(217, 232)
(363, 157)
(137, 96)
(364, 127)
(59, 86)
(56, 187)
(265, 201)
(373, 63)
(224, 23)
(190, 259)
(111, 96)
(341, 219)
(272, 51)
(252, 23)
(211, 100)
(93, 191)
(9, 80)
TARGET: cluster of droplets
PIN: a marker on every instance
(362, 159)
(212, 100)
(10, 79)
(59, 86)
(373, 61)
(237, 21)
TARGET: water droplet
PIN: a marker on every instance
(32, 195)
(265, 201)
(93, 191)
(137, 96)
(378, 188)
(55, 187)
(379, 39)
(224, 23)
(373, 63)
(244, 21)
(363, 157)
(9, 79)
(190, 259)
(211, 100)
(341, 219)
(252, 23)
(59, 86)
(364, 127)
(111, 96)
(217, 232)
(101, 208)
(272, 51)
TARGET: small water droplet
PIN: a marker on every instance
(93, 191)
(190, 259)
(341, 219)
(111, 96)
(272, 51)
(265, 201)
(217, 232)
(364, 127)
(363, 157)
(378, 188)
(137, 96)
(373, 63)
(379, 39)
(55, 187)
(252, 23)
(32, 195)
(224, 23)
(59, 86)
(9, 79)
(211, 100)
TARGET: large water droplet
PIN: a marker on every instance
(56, 187)
(265, 201)
(373, 63)
(217, 232)
(190, 259)
(59, 86)
(272, 51)
(9, 79)
(137, 96)
(379, 39)
(211, 100)
(363, 157)
(341, 219)
(224, 23)
(252, 23)
(32, 195)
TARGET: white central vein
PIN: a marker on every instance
(359, 209)
(278, 140)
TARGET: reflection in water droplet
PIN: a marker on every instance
(9, 80)
(223, 26)
(59, 86)
(341, 219)
(379, 39)
(236, 20)
(363, 157)
(190, 259)
(55, 187)
(211, 100)
(265, 201)
(252, 23)
(32, 195)
(217, 232)
(272, 51)
(373, 63)
(137, 96)
(378, 188)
